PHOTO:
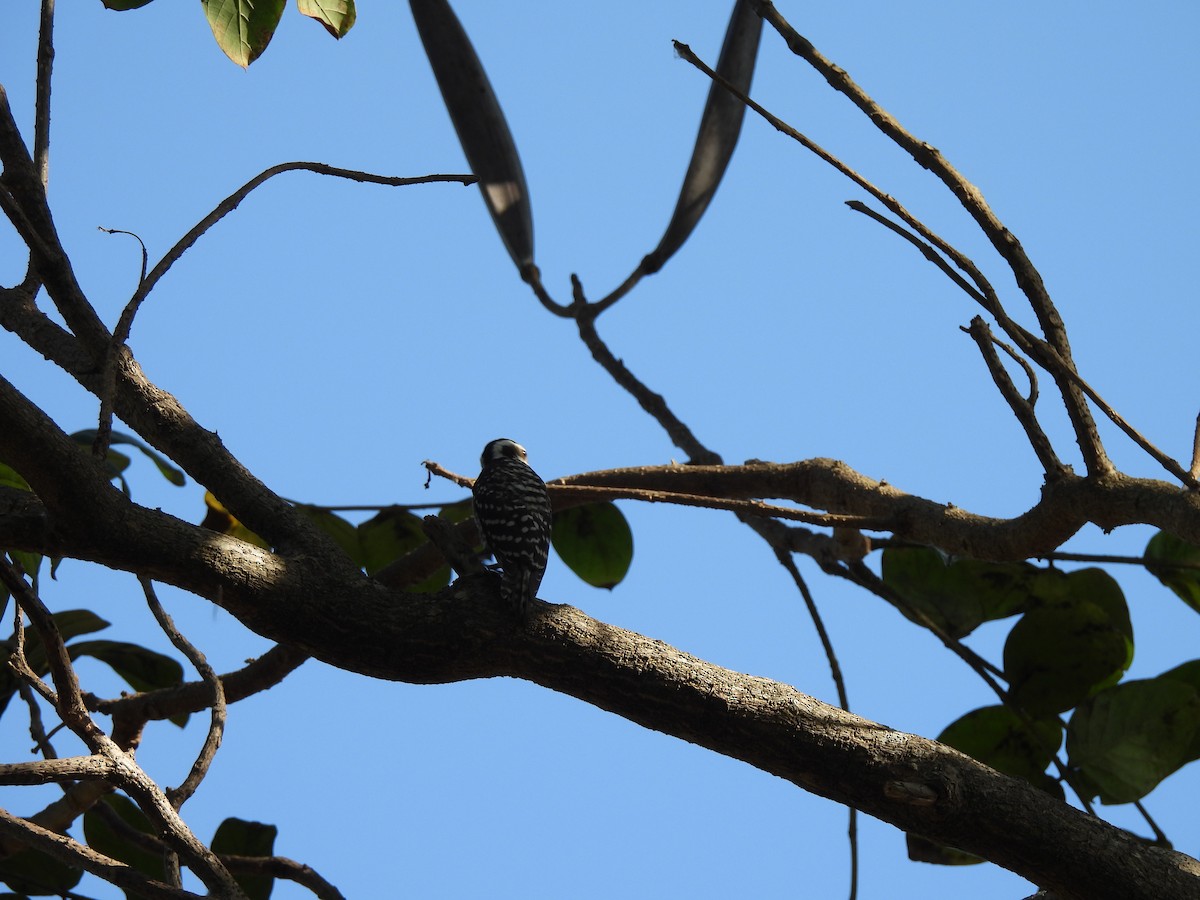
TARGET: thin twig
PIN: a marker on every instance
(532, 276)
(37, 731)
(282, 867)
(835, 671)
(1020, 406)
(108, 388)
(178, 796)
(262, 674)
(230, 203)
(41, 114)
(652, 403)
(927, 251)
(1029, 280)
(589, 493)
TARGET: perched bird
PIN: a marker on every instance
(512, 509)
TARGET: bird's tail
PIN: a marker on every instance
(518, 590)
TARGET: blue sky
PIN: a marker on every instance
(337, 334)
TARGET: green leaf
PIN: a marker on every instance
(1128, 738)
(720, 127)
(342, 532)
(243, 28)
(995, 735)
(32, 873)
(480, 124)
(394, 533)
(595, 542)
(1183, 581)
(1188, 673)
(336, 15)
(142, 669)
(387, 536)
(125, 4)
(118, 462)
(1057, 655)
(10, 477)
(957, 595)
(104, 838)
(237, 837)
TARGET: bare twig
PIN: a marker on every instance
(282, 867)
(1029, 280)
(533, 277)
(262, 674)
(178, 796)
(1021, 407)
(109, 375)
(41, 114)
(230, 203)
(926, 250)
(835, 671)
(652, 403)
(37, 730)
(583, 493)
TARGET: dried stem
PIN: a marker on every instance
(41, 114)
(1029, 280)
(178, 796)
(1021, 407)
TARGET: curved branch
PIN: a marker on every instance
(230, 203)
(1029, 280)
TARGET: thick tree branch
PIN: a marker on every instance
(463, 633)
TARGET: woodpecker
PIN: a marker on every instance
(512, 509)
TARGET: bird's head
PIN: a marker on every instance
(502, 449)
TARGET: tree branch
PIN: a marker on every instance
(79, 856)
(1029, 280)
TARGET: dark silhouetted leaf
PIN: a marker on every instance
(720, 127)
(595, 542)
(104, 838)
(71, 623)
(337, 16)
(1128, 738)
(957, 595)
(219, 519)
(142, 669)
(237, 837)
(345, 534)
(118, 462)
(1184, 582)
(125, 4)
(1189, 674)
(480, 124)
(996, 735)
(243, 28)
(1056, 656)
(34, 874)
(387, 536)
